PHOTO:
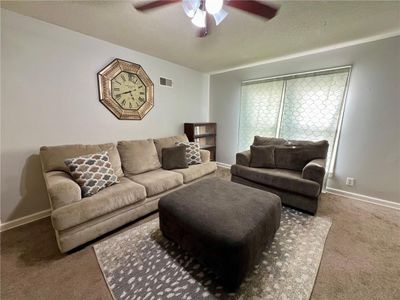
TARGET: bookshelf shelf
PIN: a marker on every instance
(205, 134)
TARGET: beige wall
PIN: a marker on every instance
(49, 96)
(369, 147)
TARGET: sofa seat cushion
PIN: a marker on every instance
(278, 178)
(158, 181)
(105, 201)
(196, 171)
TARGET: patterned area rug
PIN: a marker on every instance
(141, 264)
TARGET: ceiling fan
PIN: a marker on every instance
(201, 11)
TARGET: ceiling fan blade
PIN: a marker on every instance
(206, 30)
(254, 7)
(154, 4)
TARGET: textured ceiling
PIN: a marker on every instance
(240, 39)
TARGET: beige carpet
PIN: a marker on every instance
(361, 258)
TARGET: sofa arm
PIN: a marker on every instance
(205, 155)
(243, 158)
(62, 189)
(315, 171)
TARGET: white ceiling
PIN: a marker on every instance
(240, 39)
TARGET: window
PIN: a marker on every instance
(306, 106)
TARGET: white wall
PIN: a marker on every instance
(49, 96)
(369, 147)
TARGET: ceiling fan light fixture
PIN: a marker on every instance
(220, 16)
(199, 18)
(214, 6)
(190, 7)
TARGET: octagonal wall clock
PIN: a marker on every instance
(126, 90)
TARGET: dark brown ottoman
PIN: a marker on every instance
(225, 225)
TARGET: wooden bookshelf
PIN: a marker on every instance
(205, 134)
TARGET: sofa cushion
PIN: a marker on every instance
(262, 156)
(267, 141)
(174, 158)
(138, 156)
(108, 200)
(158, 181)
(53, 157)
(196, 171)
(278, 178)
(168, 142)
(294, 155)
(92, 172)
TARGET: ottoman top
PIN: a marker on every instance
(220, 208)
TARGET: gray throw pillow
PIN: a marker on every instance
(174, 157)
(262, 156)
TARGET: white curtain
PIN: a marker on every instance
(296, 107)
(259, 111)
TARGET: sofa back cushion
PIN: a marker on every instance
(138, 156)
(294, 155)
(53, 157)
(168, 142)
(267, 141)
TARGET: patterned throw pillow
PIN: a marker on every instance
(192, 152)
(92, 172)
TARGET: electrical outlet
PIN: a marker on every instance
(350, 181)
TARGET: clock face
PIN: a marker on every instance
(128, 90)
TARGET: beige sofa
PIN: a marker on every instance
(77, 220)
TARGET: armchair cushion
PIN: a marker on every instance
(288, 180)
(243, 158)
(294, 155)
(267, 141)
(262, 156)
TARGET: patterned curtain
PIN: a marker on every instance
(259, 111)
(298, 107)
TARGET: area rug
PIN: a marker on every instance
(141, 264)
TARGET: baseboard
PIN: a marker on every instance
(364, 198)
(25, 220)
(223, 165)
